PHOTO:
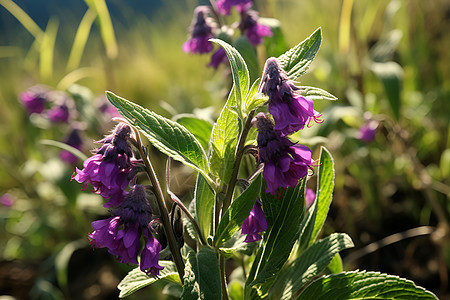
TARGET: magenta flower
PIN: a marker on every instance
(285, 162)
(59, 114)
(111, 169)
(290, 111)
(217, 58)
(254, 224)
(253, 30)
(75, 141)
(367, 131)
(310, 196)
(150, 255)
(34, 99)
(224, 6)
(201, 32)
(7, 200)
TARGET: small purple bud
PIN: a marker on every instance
(34, 99)
(254, 224)
(217, 58)
(7, 200)
(367, 131)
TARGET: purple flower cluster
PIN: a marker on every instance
(254, 224)
(285, 162)
(110, 171)
(204, 27)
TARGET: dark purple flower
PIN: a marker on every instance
(310, 196)
(217, 58)
(7, 200)
(285, 162)
(253, 30)
(34, 99)
(59, 114)
(224, 6)
(254, 224)
(75, 141)
(290, 111)
(111, 169)
(201, 32)
(122, 233)
(367, 132)
(107, 108)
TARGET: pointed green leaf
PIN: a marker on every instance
(224, 140)
(315, 93)
(281, 237)
(254, 99)
(166, 135)
(201, 129)
(309, 264)
(202, 276)
(297, 60)
(204, 205)
(239, 71)
(136, 279)
(237, 213)
(336, 265)
(236, 245)
(360, 285)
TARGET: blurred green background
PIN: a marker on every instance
(385, 60)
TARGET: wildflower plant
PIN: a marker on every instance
(253, 213)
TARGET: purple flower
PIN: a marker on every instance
(75, 141)
(201, 32)
(111, 169)
(310, 196)
(34, 99)
(254, 224)
(122, 233)
(59, 114)
(285, 162)
(290, 111)
(367, 132)
(224, 6)
(217, 58)
(107, 108)
(7, 200)
(253, 30)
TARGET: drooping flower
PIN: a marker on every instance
(310, 196)
(224, 6)
(285, 162)
(290, 111)
(59, 114)
(34, 99)
(254, 224)
(253, 30)
(111, 169)
(217, 58)
(122, 233)
(367, 131)
(74, 140)
(201, 31)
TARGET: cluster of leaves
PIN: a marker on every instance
(287, 262)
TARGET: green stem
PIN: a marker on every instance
(162, 209)
(223, 277)
(237, 161)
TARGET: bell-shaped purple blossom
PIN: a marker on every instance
(74, 140)
(224, 6)
(217, 58)
(285, 162)
(254, 224)
(290, 111)
(310, 196)
(253, 30)
(111, 169)
(59, 114)
(367, 131)
(122, 233)
(35, 99)
(201, 31)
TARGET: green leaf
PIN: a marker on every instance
(335, 266)
(254, 99)
(239, 71)
(136, 279)
(391, 76)
(236, 214)
(249, 55)
(236, 245)
(297, 60)
(204, 205)
(65, 147)
(236, 290)
(309, 264)
(276, 44)
(201, 129)
(202, 276)
(315, 93)
(166, 135)
(324, 195)
(281, 238)
(364, 285)
(224, 138)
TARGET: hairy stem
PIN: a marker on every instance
(223, 277)
(162, 208)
